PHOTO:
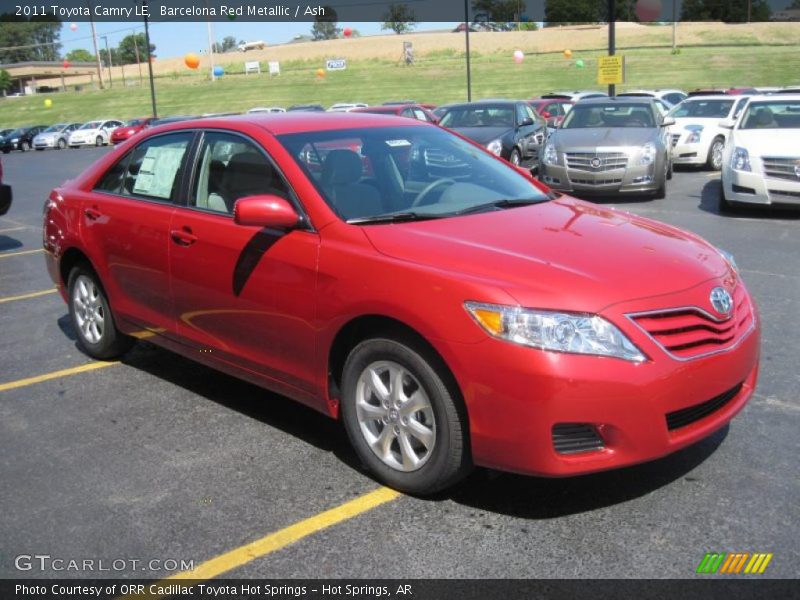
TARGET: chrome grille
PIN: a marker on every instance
(786, 194)
(675, 139)
(608, 161)
(688, 333)
(782, 167)
(596, 181)
(444, 164)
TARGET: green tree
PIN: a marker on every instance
(399, 18)
(79, 55)
(729, 12)
(496, 11)
(5, 81)
(126, 51)
(23, 39)
(325, 26)
(228, 44)
(568, 12)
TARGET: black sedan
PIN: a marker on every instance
(510, 129)
(20, 139)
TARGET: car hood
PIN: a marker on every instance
(564, 254)
(592, 138)
(482, 135)
(84, 131)
(684, 121)
(769, 142)
(47, 136)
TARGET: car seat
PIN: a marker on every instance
(341, 174)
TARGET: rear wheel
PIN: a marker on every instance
(62, 144)
(97, 335)
(402, 419)
(24, 146)
(714, 160)
(98, 141)
(515, 158)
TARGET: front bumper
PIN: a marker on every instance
(74, 143)
(516, 396)
(754, 188)
(44, 143)
(689, 154)
(630, 180)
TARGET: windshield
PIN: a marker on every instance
(702, 109)
(609, 115)
(483, 116)
(90, 125)
(380, 171)
(18, 132)
(772, 115)
(55, 128)
(135, 122)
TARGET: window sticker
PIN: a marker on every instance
(157, 173)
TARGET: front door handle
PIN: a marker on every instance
(92, 214)
(183, 237)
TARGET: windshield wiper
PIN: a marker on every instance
(399, 217)
(500, 204)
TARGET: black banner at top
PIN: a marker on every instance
(537, 11)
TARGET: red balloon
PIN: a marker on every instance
(347, 32)
(66, 64)
(648, 10)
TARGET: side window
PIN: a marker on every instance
(153, 168)
(112, 180)
(230, 167)
(407, 112)
(521, 114)
(531, 114)
(420, 115)
(739, 106)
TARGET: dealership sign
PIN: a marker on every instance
(336, 64)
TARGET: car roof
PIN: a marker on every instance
(643, 100)
(483, 103)
(729, 97)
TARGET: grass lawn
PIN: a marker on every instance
(438, 77)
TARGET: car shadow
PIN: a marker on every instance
(65, 325)
(632, 199)
(9, 243)
(546, 498)
(710, 203)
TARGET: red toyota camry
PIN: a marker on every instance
(447, 308)
(129, 129)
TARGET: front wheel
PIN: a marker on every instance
(98, 140)
(515, 158)
(24, 146)
(97, 335)
(62, 144)
(403, 420)
(714, 160)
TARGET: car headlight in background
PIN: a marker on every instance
(647, 154)
(550, 155)
(14, 140)
(495, 147)
(694, 136)
(556, 331)
(131, 131)
(740, 159)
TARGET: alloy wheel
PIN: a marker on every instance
(88, 308)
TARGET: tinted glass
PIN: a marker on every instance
(384, 170)
(772, 115)
(703, 109)
(54, 128)
(609, 115)
(90, 125)
(479, 116)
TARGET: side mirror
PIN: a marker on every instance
(667, 122)
(265, 211)
(526, 122)
(728, 123)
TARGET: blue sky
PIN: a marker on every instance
(176, 39)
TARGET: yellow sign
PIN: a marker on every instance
(611, 70)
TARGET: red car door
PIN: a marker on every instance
(126, 221)
(243, 295)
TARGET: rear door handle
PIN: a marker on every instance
(183, 237)
(92, 214)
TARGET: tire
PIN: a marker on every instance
(425, 463)
(61, 144)
(95, 331)
(40, 149)
(515, 158)
(725, 205)
(714, 159)
(669, 169)
(24, 146)
(98, 141)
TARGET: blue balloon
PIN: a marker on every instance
(219, 71)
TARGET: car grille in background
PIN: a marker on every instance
(781, 168)
(675, 138)
(687, 416)
(596, 181)
(609, 161)
(443, 164)
(690, 333)
(788, 195)
(539, 137)
(571, 438)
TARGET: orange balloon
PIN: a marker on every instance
(192, 60)
(320, 72)
(567, 53)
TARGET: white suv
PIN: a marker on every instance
(93, 133)
(761, 163)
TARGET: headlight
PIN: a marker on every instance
(131, 131)
(740, 160)
(550, 154)
(14, 140)
(647, 154)
(554, 331)
(729, 257)
(495, 147)
(694, 137)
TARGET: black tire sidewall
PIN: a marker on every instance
(447, 463)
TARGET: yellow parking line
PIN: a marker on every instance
(27, 296)
(274, 541)
(23, 253)
(92, 366)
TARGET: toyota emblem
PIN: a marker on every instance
(721, 300)
(596, 162)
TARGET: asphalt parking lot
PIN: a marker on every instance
(157, 458)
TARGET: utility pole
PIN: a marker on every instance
(210, 48)
(96, 52)
(136, 49)
(145, 10)
(108, 54)
(469, 66)
(674, 25)
(612, 42)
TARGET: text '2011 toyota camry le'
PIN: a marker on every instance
(449, 309)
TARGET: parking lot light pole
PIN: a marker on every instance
(612, 44)
(149, 57)
(466, 33)
(108, 54)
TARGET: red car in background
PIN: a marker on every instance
(413, 111)
(552, 110)
(446, 307)
(129, 129)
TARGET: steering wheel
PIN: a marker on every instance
(429, 188)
